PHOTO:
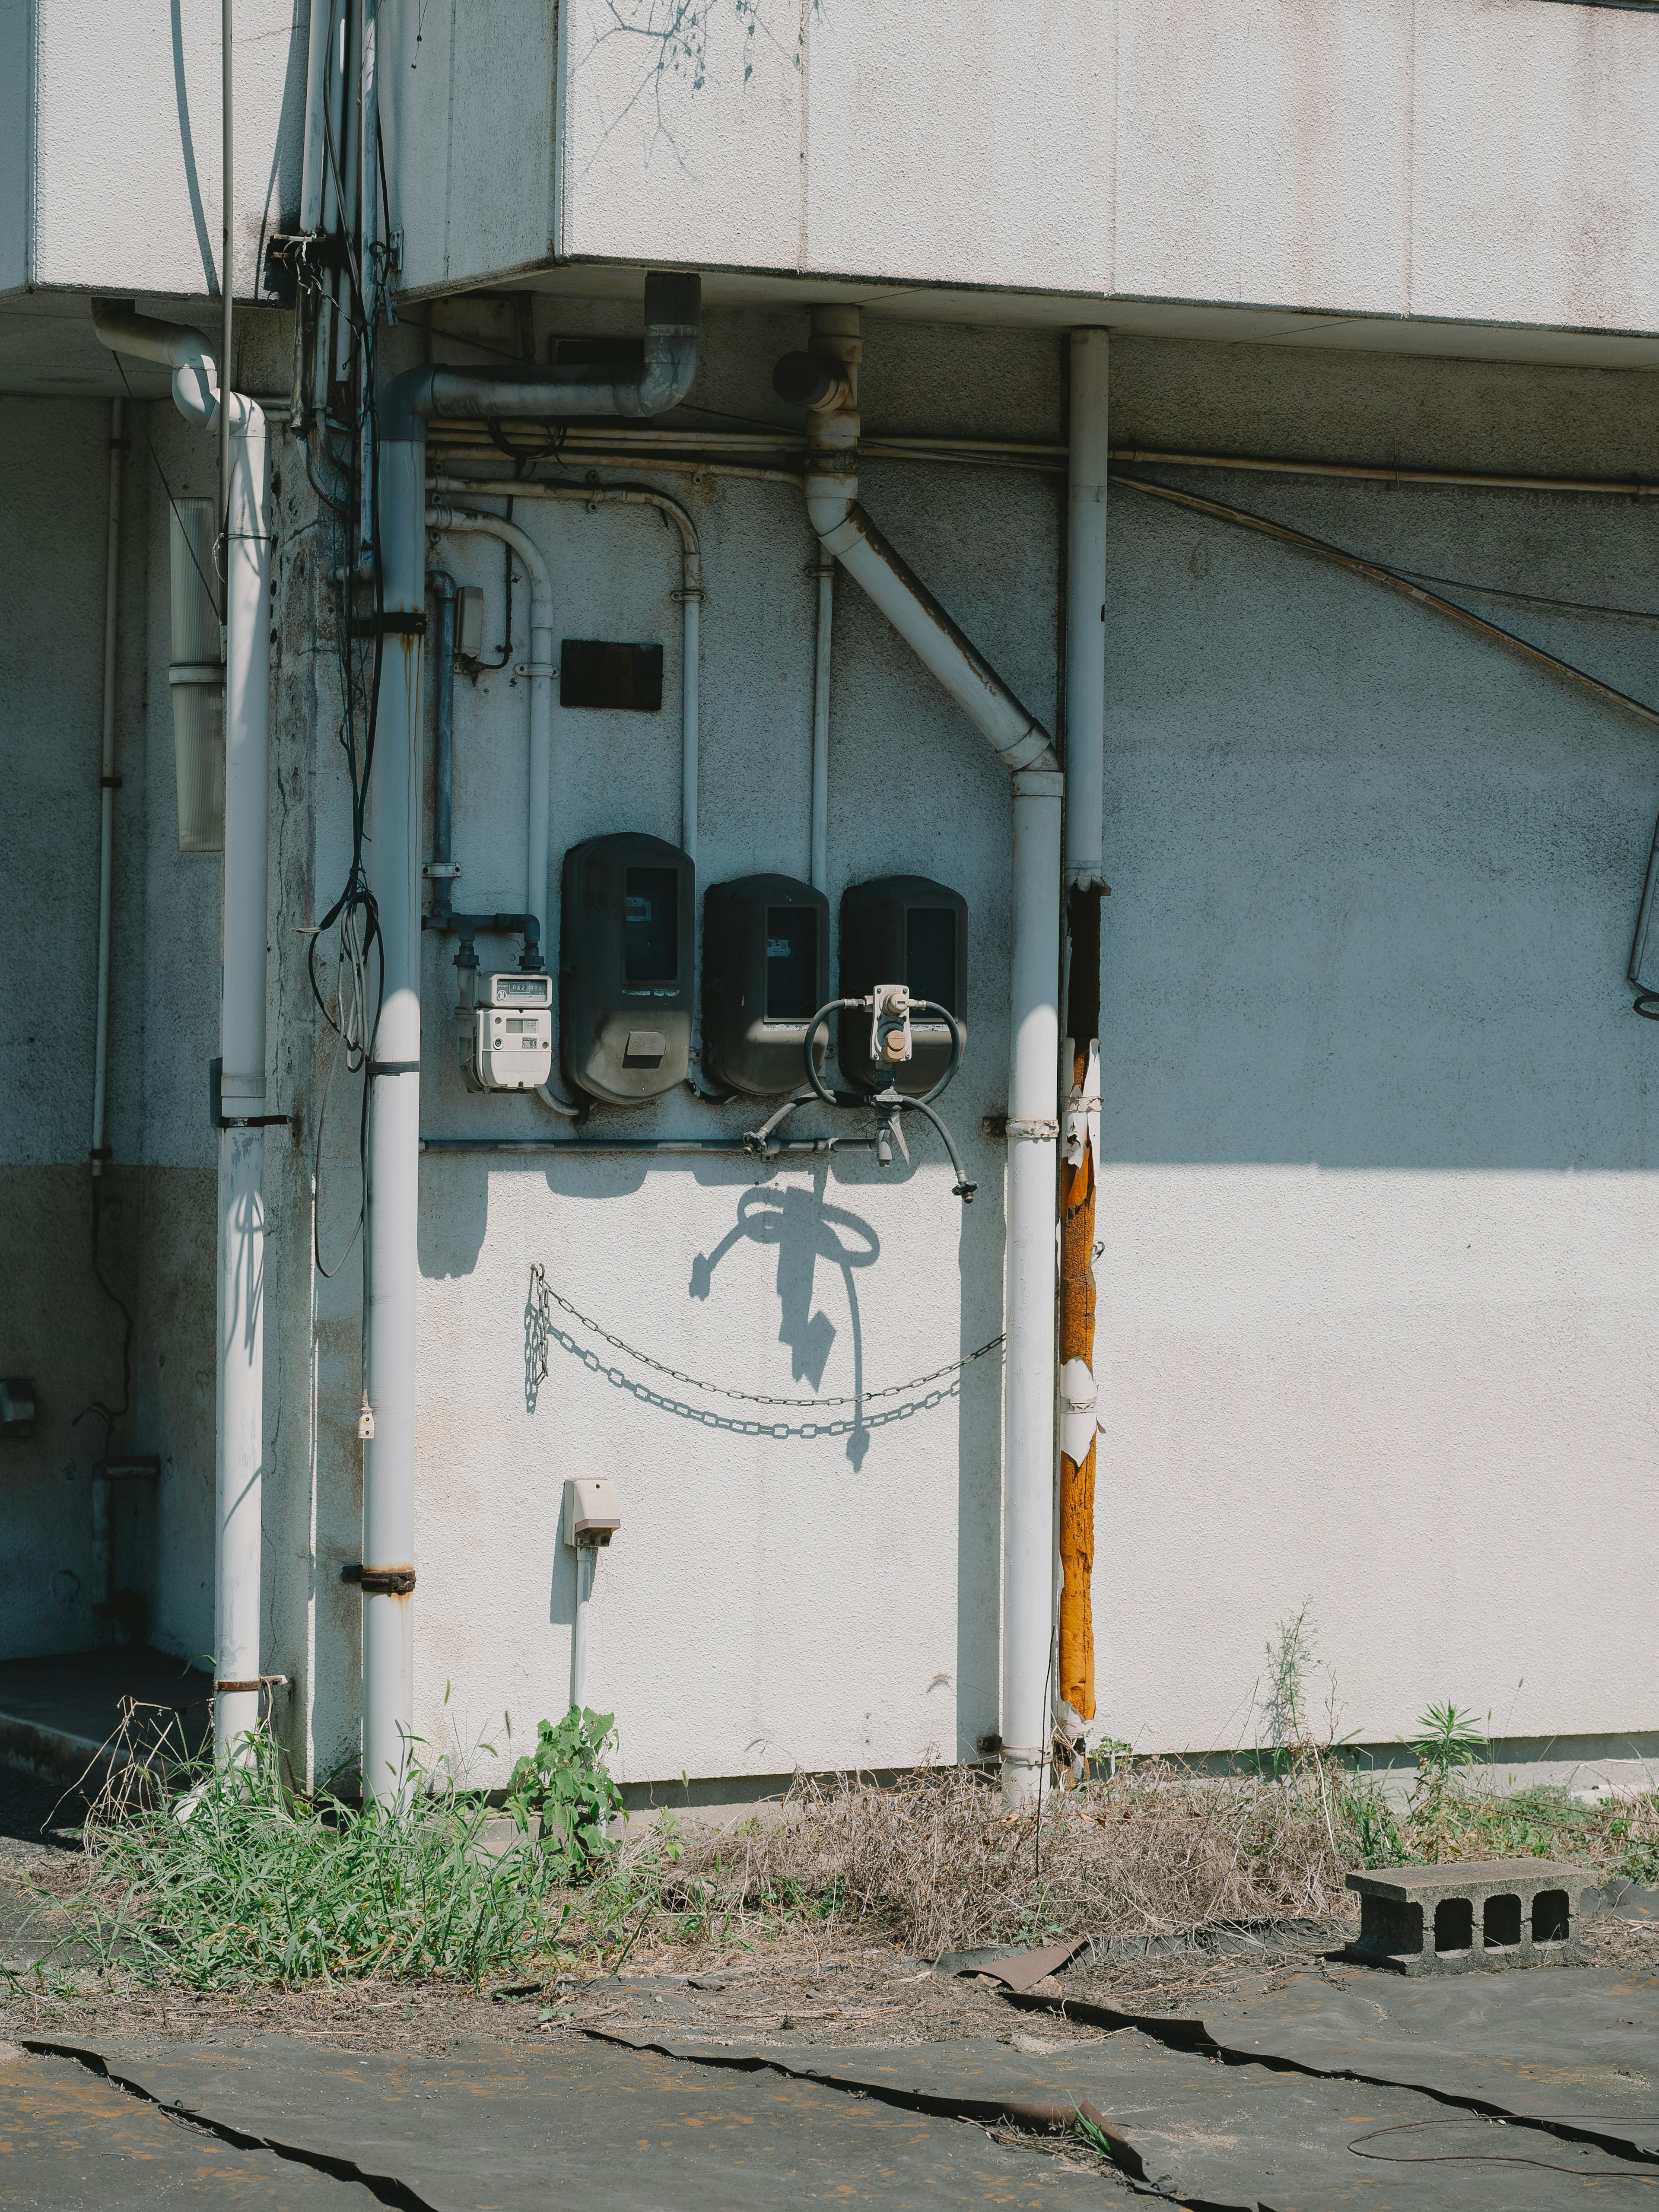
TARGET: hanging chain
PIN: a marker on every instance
(544, 1292)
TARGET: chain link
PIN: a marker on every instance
(544, 1292)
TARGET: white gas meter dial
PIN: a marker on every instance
(510, 1046)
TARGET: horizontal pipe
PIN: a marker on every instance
(1030, 453)
(683, 1144)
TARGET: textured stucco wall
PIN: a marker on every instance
(1476, 160)
(1377, 1295)
(1376, 1279)
(55, 1324)
(123, 130)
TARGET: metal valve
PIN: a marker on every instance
(889, 1025)
(890, 1007)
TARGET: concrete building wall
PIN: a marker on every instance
(57, 1326)
(1475, 161)
(115, 183)
(1375, 1278)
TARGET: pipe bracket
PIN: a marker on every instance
(381, 1582)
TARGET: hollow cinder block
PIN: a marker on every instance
(1487, 1914)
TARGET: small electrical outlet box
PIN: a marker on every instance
(625, 959)
(593, 1514)
(17, 1406)
(508, 1041)
(908, 929)
(765, 973)
(469, 622)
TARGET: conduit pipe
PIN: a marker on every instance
(107, 781)
(539, 670)
(405, 407)
(823, 644)
(1085, 749)
(827, 380)
(239, 1453)
(690, 596)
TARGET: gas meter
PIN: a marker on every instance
(904, 987)
(915, 931)
(625, 961)
(507, 1042)
(765, 973)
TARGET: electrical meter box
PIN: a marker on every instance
(765, 973)
(506, 1040)
(903, 929)
(625, 960)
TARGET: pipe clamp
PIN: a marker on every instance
(1037, 1129)
(381, 1582)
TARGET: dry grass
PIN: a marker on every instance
(939, 1865)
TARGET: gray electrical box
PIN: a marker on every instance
(765, 973)
(625, 956)
(903, 929)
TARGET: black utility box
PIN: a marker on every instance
(903, 929)
(625, 967)
(765, 973)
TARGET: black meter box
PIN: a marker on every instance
(625, 964)
(765, 973)
(901, 929)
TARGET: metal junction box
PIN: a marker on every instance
(765, 973)
(506, 1043)
(625, 959)
(903, 929)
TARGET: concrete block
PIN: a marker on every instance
(1461, 1919)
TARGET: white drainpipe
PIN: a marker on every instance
(406, 405)
(106, 781)
(240, 1455)
(1022, 745)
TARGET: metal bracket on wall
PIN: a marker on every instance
(221, 1120)
(381, 1582)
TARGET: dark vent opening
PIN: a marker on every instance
(594, 673)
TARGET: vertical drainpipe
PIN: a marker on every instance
(1086, 737)
(390, 1249)
(826, 379)
(241, 1302)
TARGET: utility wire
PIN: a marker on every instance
(1394, 579)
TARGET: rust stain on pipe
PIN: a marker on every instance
(1077, 1320)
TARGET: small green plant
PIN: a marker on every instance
(1450, 1739)
(1093, 2133)
(565, 1780)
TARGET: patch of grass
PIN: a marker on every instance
(219, 1878)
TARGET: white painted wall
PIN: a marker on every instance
(1377, 1282)
(121, 190)
(1477, 160)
